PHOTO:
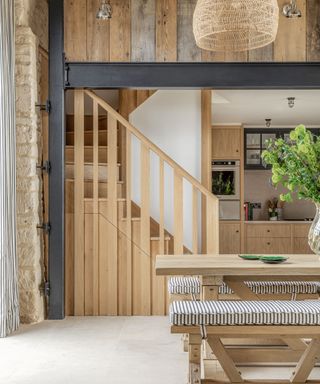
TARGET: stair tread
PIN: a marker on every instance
(91, 131)
(104, 199)
(157, 238)
(70, 146)
(89, 163)
(91, 181)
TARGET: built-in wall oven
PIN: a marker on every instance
(226, 186)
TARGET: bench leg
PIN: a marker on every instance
(195, 359)
(225, 360)
(307, 362)
(295, 344)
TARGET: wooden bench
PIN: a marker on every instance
(216, 320)
(190, 287)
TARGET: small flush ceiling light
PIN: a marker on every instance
(105, 11)
(268, 123)
(235, 25)
(291, 10)
(291, 101)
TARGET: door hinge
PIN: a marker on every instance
(44, 107)
(66, 74)
(45, 288)
(46, 227)
(45, 166)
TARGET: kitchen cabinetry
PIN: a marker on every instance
(230, 238)
(273, 238)
(255, 143)
(300, 239)
(226, 143)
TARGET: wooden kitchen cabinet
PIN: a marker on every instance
(273, 238)
(300, 239)
(226, 143)
(230, 238)
(268, 230)
(269, 245)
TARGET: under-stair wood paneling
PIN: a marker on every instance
(79, 202)
(161, 30)
(111, 242)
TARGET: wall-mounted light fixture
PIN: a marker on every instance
(291, 101)
(291, 10)
(105, 11)
(268, 123)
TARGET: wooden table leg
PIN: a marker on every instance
(210, 287)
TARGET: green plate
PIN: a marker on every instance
(250, 257)
(273, 259)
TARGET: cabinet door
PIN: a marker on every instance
(230, 239)
(301, 246)
(226, 143)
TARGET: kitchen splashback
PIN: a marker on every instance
(258, 189)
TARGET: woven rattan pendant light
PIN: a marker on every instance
(235, 25)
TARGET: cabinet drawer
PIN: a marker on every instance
(301, 246)
(268, 245)
(301, 230)
(268, 230)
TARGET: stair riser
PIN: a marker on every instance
(88, 172)
(103, 208)
(88, 193)
(88, 138)
(88, 155)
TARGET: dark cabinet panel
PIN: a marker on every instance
(255, 143)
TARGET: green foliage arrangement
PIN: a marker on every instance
(296, 164)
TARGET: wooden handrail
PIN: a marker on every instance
(149, 144)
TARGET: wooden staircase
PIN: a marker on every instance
(110, 241)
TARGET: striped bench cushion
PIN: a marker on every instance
(191, 285)
(245, 312)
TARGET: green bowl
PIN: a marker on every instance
(249, 257)
(273, 259)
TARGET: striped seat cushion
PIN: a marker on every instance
(191, 285)
(245, 312)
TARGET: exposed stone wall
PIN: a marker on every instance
(31, 32)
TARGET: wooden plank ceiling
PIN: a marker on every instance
(161, 30)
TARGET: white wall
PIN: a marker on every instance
(172, 120)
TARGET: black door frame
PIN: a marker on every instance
(65, 75)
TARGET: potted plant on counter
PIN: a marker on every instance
(296, 165)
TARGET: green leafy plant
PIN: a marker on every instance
(296, 164)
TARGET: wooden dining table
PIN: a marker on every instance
(234, 271)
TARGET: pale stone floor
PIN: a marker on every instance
(101, 350)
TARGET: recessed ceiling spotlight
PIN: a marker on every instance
(291, 101)
(291, 10)
(268, 123)
(105, 11)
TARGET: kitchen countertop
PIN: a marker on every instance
(278, 222)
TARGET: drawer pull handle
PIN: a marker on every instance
(268, 243)
(237, 231)
(268, 230)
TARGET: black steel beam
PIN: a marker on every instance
(56, 156)
(193, 75)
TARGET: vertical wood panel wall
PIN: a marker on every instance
(161, 30)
